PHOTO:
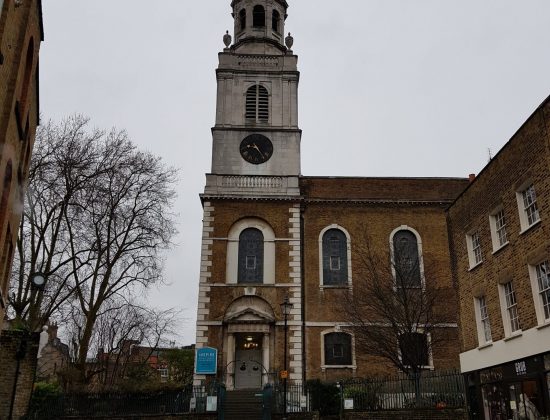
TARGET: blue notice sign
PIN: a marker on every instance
(206, 361)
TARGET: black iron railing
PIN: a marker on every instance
(113, 404)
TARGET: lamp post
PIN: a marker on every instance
(38, 284)
(286, 307)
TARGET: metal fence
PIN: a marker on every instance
(431, 390)
(297, 398)
(114, 404)
(428, 390)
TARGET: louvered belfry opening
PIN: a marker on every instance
(257, 105)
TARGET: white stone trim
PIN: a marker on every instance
(232, 264)
(295, 292)
(209, 323)
(348, 249)
(204, 289)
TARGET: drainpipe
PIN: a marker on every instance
(302, 285)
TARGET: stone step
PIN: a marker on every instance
(243, 405)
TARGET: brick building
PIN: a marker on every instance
(270, 233)
(499, 230)
(21, 33)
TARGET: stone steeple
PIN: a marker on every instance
(256, 138)
(259, 25)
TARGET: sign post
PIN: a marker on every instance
(206, 361)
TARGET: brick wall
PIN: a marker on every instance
(525, 158)
(379, 206)
(10, 344)
(20, 28)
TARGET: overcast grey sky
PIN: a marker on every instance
(388, 88)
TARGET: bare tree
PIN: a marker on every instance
(397, 309)
(64, 161)
(97, 221)
(125, 337)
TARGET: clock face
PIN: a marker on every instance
(256, 149)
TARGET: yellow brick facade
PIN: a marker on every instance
(21, 34)
(509, 362)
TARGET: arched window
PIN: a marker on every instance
(275, 20)
(251, 256)
(27, 75)
(337, 349)
(414, 349)
(406, 259)
(242, 19)
(7, 255)
(6, 190)
(257, 104)
(335, 258)
(258, 17)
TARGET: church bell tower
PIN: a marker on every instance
(256, 139)
(251, 249)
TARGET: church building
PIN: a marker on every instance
(273, 236)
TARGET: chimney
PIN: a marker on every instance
(472, 177)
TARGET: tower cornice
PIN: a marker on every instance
(281, 2)
(257, 39)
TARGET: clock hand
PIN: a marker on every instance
(259, 151)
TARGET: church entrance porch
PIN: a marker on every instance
(249, 368)
(248, 336)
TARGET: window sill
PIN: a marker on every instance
(514, 335)
(528, 228)
(428, 367)
(324, 367)
(335, 286)
(473, 267)
(500, 248)
(546, 324)
(486, 345)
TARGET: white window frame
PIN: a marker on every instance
(475, 252)
(484, 332)
(232, 263)
(348, 252)
(529, 214)
(336, 329)
(541, 296)
(420, 254)
(499, 234)
(509, 307)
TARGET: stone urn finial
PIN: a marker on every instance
(289, 41)
(227, 39)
